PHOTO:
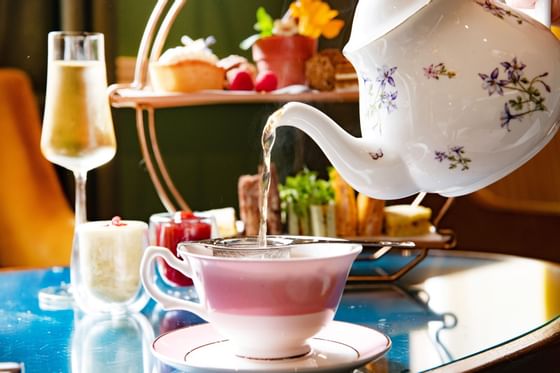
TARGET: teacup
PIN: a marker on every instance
(267, 301)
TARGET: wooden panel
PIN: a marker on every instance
(534, 188)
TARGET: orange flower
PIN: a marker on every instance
(316, 18)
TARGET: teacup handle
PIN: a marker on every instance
(167, 301)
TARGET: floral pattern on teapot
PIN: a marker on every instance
(382, 96)
(376, 155)
(455, 155)
(434, 71)
(529, 98)
(450, 136)
(498, 11)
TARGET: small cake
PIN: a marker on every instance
(329, 70)
(225, 220)
(345, 77)
(407, 220)
(188, 68)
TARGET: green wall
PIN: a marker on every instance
(229, 21)
(206, 148)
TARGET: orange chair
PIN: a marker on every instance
(36, 222)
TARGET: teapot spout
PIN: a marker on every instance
(365, 165)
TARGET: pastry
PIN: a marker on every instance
(345, 206)
(319, 72)
(345, 77)
(249, 193)
(407, 220)
(188, 68)
(370, 215)
(329, 70)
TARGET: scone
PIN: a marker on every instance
(407, 220)
(188, 68)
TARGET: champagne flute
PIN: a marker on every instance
(78, 131)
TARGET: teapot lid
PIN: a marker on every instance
(375, 18)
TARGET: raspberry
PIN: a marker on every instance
(266, 81)
(182, 215)
(240, 80)
(117, 222)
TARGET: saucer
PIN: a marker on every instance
(340, 346)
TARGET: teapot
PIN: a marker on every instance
(453, 95)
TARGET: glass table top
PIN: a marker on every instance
(451, 306)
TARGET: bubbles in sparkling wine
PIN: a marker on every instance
(267, 141)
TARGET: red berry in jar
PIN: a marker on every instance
(196, 231)
(182, 228)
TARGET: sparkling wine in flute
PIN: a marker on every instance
(78, 130)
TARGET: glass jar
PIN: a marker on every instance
(169, 229)
(105, 270)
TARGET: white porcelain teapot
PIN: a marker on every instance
(454, 95)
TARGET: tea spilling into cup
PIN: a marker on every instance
(267, 301)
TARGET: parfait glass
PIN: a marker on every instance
(77, 131)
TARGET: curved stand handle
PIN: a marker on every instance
(167, 301)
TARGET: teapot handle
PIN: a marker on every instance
(148, 280)
(537, 9)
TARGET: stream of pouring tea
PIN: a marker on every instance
(267, 141)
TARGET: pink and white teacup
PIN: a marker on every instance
(267, 301)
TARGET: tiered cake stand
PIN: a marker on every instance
(140, 97)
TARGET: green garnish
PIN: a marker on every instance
(264, 26)
(303, 190)
(265, 23)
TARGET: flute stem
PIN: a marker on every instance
(80, 213)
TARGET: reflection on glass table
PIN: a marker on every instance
(451, 306)
(105, 344)
(398, 313)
